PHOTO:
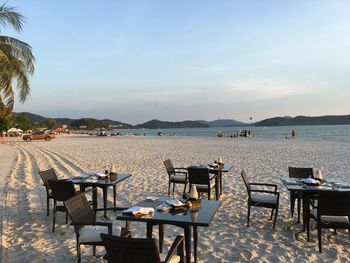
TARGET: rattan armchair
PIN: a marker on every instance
(140, 250)
(261, 197)
(297, 172)
(45, 177)
(203, 180)
(333, 211)
(62, 190)
(87, 229)
(176, 175)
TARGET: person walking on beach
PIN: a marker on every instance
(293, 133)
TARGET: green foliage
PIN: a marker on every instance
(50, 124)
(4, 123)
(16, 59)
(22, 122)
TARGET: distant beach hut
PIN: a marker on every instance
(14, 132)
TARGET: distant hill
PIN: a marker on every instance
(223, 123)
(90, 123)
(157, 124)
(305, 120)
(32, 117)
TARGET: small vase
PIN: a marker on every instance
(193, 193)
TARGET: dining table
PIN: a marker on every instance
(94, 180)
(312, 190)
(199, 215)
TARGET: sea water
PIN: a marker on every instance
(308, 132)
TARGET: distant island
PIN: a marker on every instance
(26, 120)
(305, 120)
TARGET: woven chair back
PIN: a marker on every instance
(198, 175)
(169, 167)
(334, 204)
(62, 190)
(79, 209)
(130, 250)
(246, 180)
(298, 172)
(48, 175)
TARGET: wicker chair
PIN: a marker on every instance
(176, 175)
(87, 229)
(203, 180)
(140, 250)
(62, 190)
(261, 197)
(45, 177)
(333, 211)
(297, 172)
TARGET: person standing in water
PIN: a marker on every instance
(293, 133)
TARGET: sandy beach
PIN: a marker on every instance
(27, 236)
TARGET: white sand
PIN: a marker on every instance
(27, 232)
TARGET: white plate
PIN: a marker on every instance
(151, 198)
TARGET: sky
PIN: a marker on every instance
(134, 61)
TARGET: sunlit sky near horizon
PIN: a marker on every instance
(134, 61)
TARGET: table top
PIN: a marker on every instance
(295, 184)
(184, 216)
(225, 168)
(92, 180)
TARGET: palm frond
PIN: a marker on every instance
(18, 49)
(8, 15)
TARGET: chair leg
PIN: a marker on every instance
(54, 216)
(78, 252)
(173, 188)
(274, 221)
(319, 233)
(248, 215)
(169, 188)
(349, 232)
(66, 218)
(209, 194)
(94, 250)
(184, 189)
(272, 213)
(47, 205)
(308, 230)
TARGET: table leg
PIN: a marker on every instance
(105, 191)
(220, 174)
(161, 237)
(149, 230)
(306, 211)
(94, 198)
(114, 195)
(188, 243)
(195, 242)
(217, 187)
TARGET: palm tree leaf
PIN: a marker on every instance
(8, 15)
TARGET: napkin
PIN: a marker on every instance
(136, 210)
(310, 181)
(175, 203)
(101, 175)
